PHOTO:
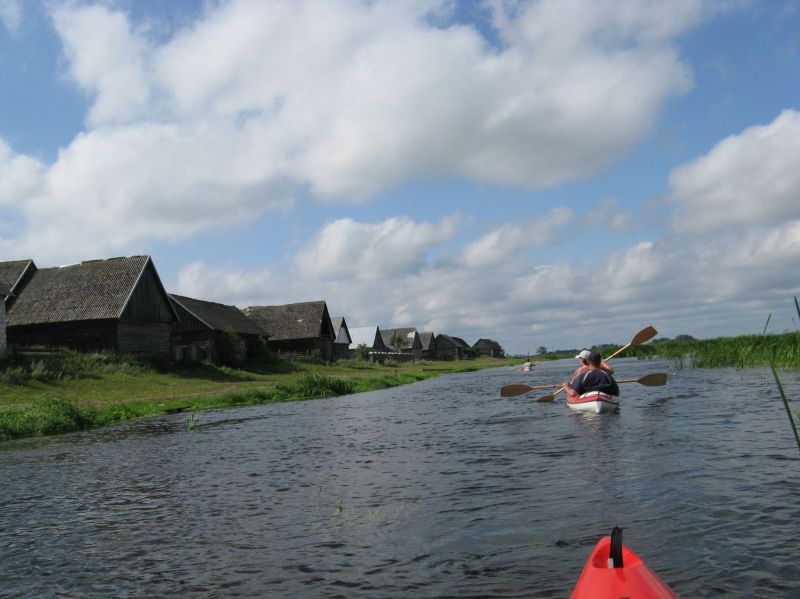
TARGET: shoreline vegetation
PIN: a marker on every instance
(49, 392)
(781, 350)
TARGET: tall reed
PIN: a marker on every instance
(781, 350)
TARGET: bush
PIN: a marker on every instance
(44, 417)
(226, 348)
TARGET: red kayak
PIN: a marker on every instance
(615, 572)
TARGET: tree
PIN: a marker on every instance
(541, 350)
(362, 352)
(397, 341)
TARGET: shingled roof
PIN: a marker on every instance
(91, 290)
(427, 340)
(11, 273)
(454, 341)
(340, 330)
(487, 344)
(406, 334)
(218, 317)
(304, 320)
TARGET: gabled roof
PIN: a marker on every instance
(428, 340)
(460, 341)
(304, 320)
(218, 317)
(453, 341)
(408, 335)
(369, 336)
(91, 290)
(487, 344)
(341, 333)
(12, 273)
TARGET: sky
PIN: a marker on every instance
(543, 173)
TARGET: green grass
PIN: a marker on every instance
(51, 392)
(781, 350)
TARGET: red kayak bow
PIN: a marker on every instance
(615, 572)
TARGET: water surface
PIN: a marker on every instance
(437, 489)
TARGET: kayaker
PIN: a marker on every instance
(583, 356)
(594, 378)
(527, 366)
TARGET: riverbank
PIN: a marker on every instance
(66, 391)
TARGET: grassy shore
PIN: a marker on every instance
(781, 350)
(61, 391)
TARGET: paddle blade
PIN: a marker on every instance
(646, 334)
(657, 379)
(514, 390)
(550, 397)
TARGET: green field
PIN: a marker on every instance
(58, 391)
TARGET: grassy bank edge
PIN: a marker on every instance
(56, 415)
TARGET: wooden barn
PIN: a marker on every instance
(202, 333)
(488, 347)
(428, 341)
(368, 336)
(117, 304)
(14, 274)
(303, 328)
(451, 348)
(342, 339)
(4, 293)
(404, 340)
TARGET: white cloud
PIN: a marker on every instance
(701, 286)
(227, 285)
(345, 99)
(19, 175)
(349, 250)
(749, 178)
(506, 242)
(11, 15)
(107, 59)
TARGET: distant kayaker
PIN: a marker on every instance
(583, 356)
(595, 378)
(527, 366)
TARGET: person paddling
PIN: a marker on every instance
(583, 356)
(594, 378)
(527, 366)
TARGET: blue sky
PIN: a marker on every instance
(540, 173)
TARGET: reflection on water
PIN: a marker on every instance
(437, 489)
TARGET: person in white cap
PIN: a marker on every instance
(583, 356)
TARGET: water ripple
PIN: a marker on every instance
(437, 489)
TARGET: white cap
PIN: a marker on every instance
(584, 354)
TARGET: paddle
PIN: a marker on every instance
(646, 334)
(657, 379)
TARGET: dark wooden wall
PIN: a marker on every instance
(148, 302)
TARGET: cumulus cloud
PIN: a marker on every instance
(19, 175)
(505, 242)
(748, 178)
(107, 59)
(698, 285)
(343, 99)
(363, 251)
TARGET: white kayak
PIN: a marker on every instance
(594, 401)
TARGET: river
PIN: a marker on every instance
(437, 489)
